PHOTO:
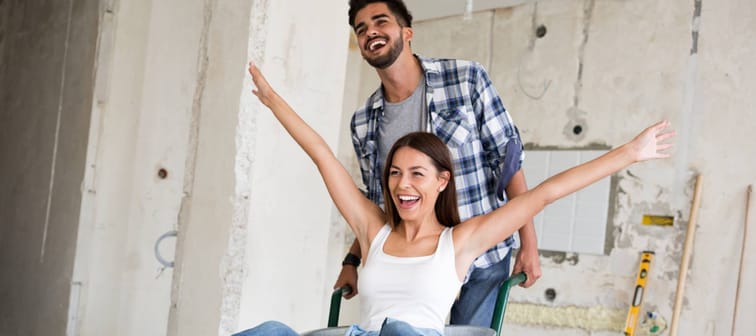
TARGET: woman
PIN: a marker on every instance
(416, 253)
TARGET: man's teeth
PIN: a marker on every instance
(376, 44)
(409, 198)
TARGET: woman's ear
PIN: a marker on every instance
(444, 179)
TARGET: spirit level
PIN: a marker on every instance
(640, 289)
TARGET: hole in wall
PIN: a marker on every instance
(550, 294)
(577, 126)
(162, 173)
(540, 31)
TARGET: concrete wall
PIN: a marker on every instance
(288, 265)
(137, 165)
(177, 142)
(258, 237)
(613, 67)
(205, 297)
(46, 70)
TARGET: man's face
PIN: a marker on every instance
(379, 35)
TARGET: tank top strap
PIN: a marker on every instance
(446, 244)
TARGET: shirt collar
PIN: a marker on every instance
(433, 79)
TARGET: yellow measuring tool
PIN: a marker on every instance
(640, 289)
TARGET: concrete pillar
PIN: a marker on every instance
(46, 70)
(288, 269)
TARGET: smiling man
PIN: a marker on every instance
(455, 100)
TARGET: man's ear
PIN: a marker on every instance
(408, 33)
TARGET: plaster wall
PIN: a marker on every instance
(209, 272)
(288, 265)
(46, 70)
(136, 165)
(613, 68)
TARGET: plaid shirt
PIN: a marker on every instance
(466, 113)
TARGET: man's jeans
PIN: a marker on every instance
(477, 298)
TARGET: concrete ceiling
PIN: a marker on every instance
(431, 9)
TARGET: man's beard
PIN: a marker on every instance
(385, 61)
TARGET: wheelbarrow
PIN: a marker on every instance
(450, 330)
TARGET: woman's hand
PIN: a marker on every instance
(648, 144)
(264, 92)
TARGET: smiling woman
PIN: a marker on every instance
(421, 169)
(417, 253)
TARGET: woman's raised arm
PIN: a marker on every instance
(357, 210)
(481, 232)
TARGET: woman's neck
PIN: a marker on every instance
(417, 229)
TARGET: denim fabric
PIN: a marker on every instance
(269, 328)
(477, 297)
(392, 327)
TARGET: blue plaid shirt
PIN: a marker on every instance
(466, 113)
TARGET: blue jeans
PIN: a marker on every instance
(269, 328)
(477, 297)
(390, 327)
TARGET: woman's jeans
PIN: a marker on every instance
(390, 327)
(270, 328)
(477, 297)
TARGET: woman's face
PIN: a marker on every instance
(414, 183)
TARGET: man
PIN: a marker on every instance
(455, 100)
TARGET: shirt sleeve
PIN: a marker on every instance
(357, 143)
(499, 136)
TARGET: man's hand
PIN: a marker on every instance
(528, 261)
(348, 276)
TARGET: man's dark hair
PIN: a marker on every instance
(396, 7)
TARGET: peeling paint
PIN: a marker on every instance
(587, 18)
(529, 146)
(696, 26)
(611, 226)
(560, 257)
(232, 268)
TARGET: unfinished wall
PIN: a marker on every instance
(180, 100)
(46, 69)
(614, 67)
(147, 74)
(207, 279)
(288, 268)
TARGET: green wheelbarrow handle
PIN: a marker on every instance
(501, 300)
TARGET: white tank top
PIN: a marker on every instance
(416, 290)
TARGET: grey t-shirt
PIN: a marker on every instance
(398, 119)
